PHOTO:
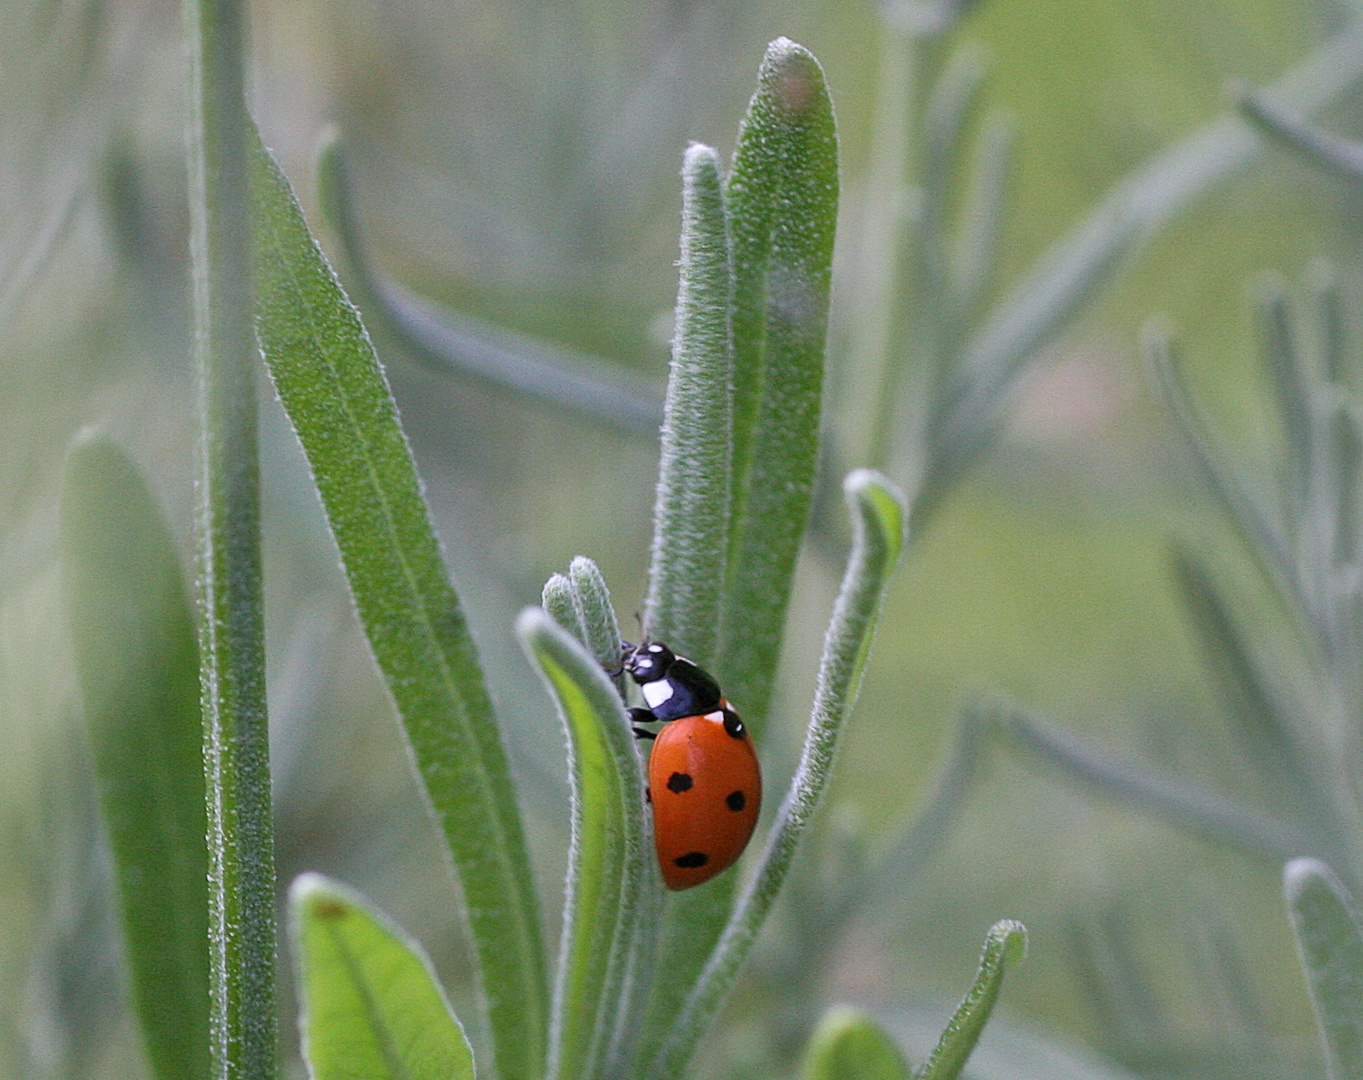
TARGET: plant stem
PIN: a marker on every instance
(231, 645)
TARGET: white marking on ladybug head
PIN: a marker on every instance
(715, 717)
(656, 692)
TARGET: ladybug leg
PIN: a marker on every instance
(639, 716)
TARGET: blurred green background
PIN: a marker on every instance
(518, 161)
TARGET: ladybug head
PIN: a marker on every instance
(647, 661)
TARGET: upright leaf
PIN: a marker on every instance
(783, 208)
(338, 400)
(607, 861)
(691, 517)
(1005, 944)
(370, 1007)
(1330, 944)
(878, 536)
(137, 662)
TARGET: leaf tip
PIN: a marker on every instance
(1299, 875)
(869, 492)
(794, 77)
(1010, 937)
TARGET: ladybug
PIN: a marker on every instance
(703, 778)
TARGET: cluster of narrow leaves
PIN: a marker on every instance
(739, 450)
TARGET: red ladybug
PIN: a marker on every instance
(703, 778)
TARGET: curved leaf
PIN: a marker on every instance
(878, 536)
(133, 637)
(1005, 944)
(338, 400)
(608, 861)
(370, 1007)
(1330, 944)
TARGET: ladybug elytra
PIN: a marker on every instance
(703, 777)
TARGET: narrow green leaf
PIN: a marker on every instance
(133, 637)
(450, 342)
(1005, 944)
(1346, 466)
(337, 398)
(878, 536)
(947, 118)
(1285, 365)
(783, 206)
(1327, 310)
(849, 1045)
(975, 259)
(1065, 276)
(557, 599)
(1343, 157)
(691, 517)
(1263, 730)
(236, 746)
(370, 1006)
(1198, 811)
(1330, 944)
(592, 600)
(608, 860)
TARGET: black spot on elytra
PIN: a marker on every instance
(732, 724)
(736, 801)
(679, 782)
(648, 795)
(692, 860)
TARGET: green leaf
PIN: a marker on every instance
(1343, 157)
(850, 1045)
(137, 662)
(1062, 280)
(691, 518)
(236, 746)
(878, 537)
(783, 207)
(1005, 944)
(370, 1006)
(592, 601)
(1330, 944)
(449, 342)
(608, 861)
(557, 599)
(337, 398)
(1291, 384)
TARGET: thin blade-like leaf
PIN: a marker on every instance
(370, 1005)
(878, 536)
(607, 861)
(691, 517)
(133, 637)
(783, 208)
(1343, 157)
(1005, 944)
(849, 1045)
(338, 400)
(451, 342)
(1330, 944)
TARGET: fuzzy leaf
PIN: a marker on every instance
(450, 342)
(783, 207)
(849, 1045)
(370, 1005)
(338, 400)
(691, 518)
(1005, 944)
(608, 860)
(136, 658)
(1330, 944)
(878, 536)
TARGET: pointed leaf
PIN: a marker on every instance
(1005, 944)
(850, 1045)
(338, 400)
(783, 207)
(691, 517)
(370, 1005)
(136, 658)
(878, 536)
(1330, 944)
(608, 861)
